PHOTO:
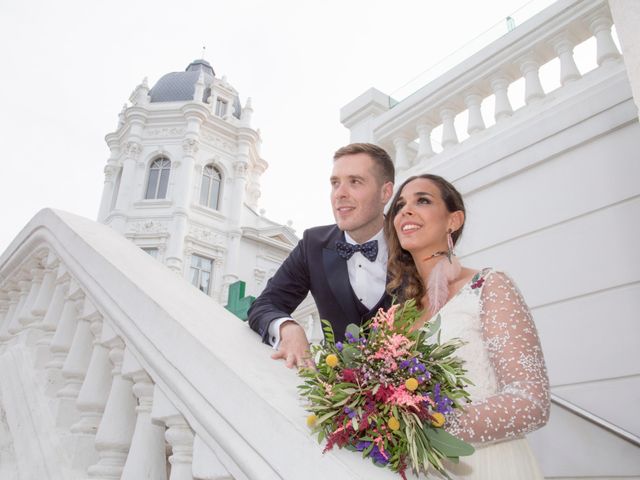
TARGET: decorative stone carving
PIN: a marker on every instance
(207, 236)
(133, 150)
(148, 226)
(110, 172)
(164, 132)
(190, 146)
(259, 274)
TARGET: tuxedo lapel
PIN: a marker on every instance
(338, 279)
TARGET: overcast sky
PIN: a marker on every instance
(68, 67)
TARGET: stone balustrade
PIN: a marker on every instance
(426, 121)
(113, 367)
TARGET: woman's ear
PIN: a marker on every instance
(456, 220)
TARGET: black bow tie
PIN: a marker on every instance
(368, 249)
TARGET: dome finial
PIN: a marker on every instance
(204, 48)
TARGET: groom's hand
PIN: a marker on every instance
(294, 346)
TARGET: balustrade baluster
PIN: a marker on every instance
(449, 135)
(61, 341)
(25, 317)
(532, 87)
(179, 435)
(425, 149)
(75, 366)
(114, 434)
(47, 287)
(14, 325)
(14, 298)
(147, 455)
(600, 25)
(473, 101)
(52, 317)
(503, 109)
(94, 392)
(563, 47)
(402, 158)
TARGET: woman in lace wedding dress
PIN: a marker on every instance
(502, 354)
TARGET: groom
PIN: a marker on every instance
(344, 266)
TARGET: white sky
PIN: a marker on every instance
(68, 66)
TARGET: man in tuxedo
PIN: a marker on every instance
(344, 266)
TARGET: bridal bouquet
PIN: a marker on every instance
(385, 391)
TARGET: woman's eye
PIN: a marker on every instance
(398, 207)
(423, 200)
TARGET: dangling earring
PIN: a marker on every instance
(444, 272)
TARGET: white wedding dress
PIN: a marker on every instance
(504, 360)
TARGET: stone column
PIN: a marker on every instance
(425, 149)
(178, 435)
(449, 136)
(126, 194)
(473, 101)
(147, 455)
(563, 47)
(111, 172)
(532, 87)
(600, 25)
(114, 434)
(503, 109)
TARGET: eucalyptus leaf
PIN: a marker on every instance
(353, 329)
(449, 445)
(433, 327)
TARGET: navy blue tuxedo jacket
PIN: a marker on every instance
(312, 266)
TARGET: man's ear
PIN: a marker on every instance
(387, 192)
(456, 220)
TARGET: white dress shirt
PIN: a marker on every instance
(368, 280)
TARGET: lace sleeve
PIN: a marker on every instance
(522, 402)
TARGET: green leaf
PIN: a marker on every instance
(353, 329)
(433, 327)
(350, 354)
(449, 445)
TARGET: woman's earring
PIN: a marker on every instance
(450, 245)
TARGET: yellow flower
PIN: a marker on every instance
(332, 360)
(393, 423)
(437, 419)
(411, 384)
(311, 420)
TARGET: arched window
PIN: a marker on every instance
(158, 178)
(210, 191)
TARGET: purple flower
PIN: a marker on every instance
(351, 413)
(360, 446)
(350, 337)
(377, 456)
(443, 403)
(339, 346)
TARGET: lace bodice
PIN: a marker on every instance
(503, 358)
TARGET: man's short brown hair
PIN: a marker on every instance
(385, 170)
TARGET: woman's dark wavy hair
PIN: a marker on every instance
(403, 279)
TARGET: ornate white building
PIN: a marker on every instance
(183, 183)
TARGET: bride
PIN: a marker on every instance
(503, 358)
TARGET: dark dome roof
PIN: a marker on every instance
(180, 86)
